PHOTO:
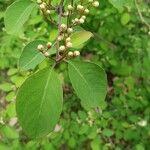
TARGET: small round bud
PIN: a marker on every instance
(40, 47)
(39, 1)
(70, 54)
(95, 4)
(76, 53)
(49, 45)
(76, 20)
(68, 39)
(86, 11)
(70, 7)
(81, 21)
(48, 12)
(42, 6)
(63, 27)
(80, 7)
(46, 54)
(62, 48)
(66, 13)
(69, 30)
(149, 33)
(60, 38)
(83, 17)
(69, 45)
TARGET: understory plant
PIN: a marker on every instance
(39, 100)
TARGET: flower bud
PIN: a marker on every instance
(39, 1)
(49, 45)
(80, 7)
(69, 30)
(69, 45)
(95, 4)
(42, 6)
(66, 13)
(62, 48)
(46, 54)
(81, 21)
(40, 47)
(63, 27)
(76, 20)
(60, 37)
(86, 11)
(68, 39)
(76, 53)
(70, 7)
(48, 12)
(70, 54)
(83, 17)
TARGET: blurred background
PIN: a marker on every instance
(121, 45)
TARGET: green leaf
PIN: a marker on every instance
(95, 144)
(89, 81)
(108, 132)
(30, 56)
(125, 18)
(39, 103)
(6, 87)
(80, 37)
(118, 4)
(9, 132)
(17, 14)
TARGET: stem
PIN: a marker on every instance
(141, 16)
(60, 12)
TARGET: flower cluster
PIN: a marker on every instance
(75, 15)
(44, 7)
(44, 48)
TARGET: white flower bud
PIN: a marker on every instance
(63, 27)
(70, 54)
(40, 47)
(62, 48)
(60, 38)
(83, 17)
(39, 1)
(142, 123)
(80, 7)
(42, 6)
(48, 12)
(49, 45)
(69, 45)
(70, 7)
(76, 53)
(76, 20)
(86, 11)
(69, 30)
(149, 33)
(68, 39)
(95, 4)
(66, 13)
(81, 21)
(46, 54)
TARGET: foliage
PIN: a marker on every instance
(120, 45)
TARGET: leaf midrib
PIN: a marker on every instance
(44, 94)
(24, 67)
